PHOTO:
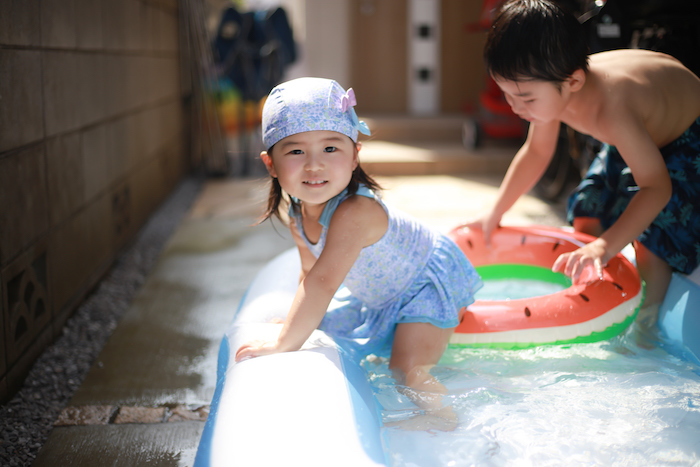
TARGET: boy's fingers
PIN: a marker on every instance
(573, 265)
(577, 268)
(561, 260)
(599, 268)
(487, 240)
(487, 236)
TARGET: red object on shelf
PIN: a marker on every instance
(494, 117)
(485, 17)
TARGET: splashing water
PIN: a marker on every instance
(621, 402)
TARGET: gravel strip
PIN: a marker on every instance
(27, 419)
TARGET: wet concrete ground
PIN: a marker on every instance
(145, 399)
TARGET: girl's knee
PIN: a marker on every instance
(417, 344)
(417, 348)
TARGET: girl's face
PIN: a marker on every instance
(535, 100)
(313, 166)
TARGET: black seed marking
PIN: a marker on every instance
(556, 245)
(469, 242)
(527, 312)
(585, 298)
(522, 242)
(617, 285)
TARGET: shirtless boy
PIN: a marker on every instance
(644, 187)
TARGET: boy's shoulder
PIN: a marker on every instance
(633, 61)
(650, 88)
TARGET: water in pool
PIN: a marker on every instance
(621, 402)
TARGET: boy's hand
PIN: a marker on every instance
(572, 264)
(487, 224)
(256, 348)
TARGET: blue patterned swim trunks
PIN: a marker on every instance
(608, 187)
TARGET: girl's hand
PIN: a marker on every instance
(256, 348)
(572, 264)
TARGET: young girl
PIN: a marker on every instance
(408, 283)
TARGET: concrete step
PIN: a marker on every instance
(440, 128)
(406, 145)
(431, 158)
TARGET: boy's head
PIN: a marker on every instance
(309, 104)
(535, 39)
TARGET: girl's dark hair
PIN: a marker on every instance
(276, 200)
(535, 39)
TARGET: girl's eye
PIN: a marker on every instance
(296, 151)
(330, 149)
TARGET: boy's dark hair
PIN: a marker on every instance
(275, 198)
(535, 39)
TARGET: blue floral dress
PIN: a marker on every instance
(412, 274)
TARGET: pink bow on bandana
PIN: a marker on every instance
(348, 100)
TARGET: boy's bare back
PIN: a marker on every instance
(652, 86)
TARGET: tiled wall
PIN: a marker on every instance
(92, 137)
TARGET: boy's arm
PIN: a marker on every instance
(648, 168)
(527, 167)
(629, 135)
(348, 233)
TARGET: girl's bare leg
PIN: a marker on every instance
(417, 348)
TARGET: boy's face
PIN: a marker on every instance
(313, 166)
(535, 100)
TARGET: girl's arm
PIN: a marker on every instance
(636, 146)
(358, 222)
(307, 258)
(527, 167)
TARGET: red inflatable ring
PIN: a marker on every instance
(588, 311)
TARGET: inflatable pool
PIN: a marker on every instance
(679, 315)
(588, 311)
(315, 407)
